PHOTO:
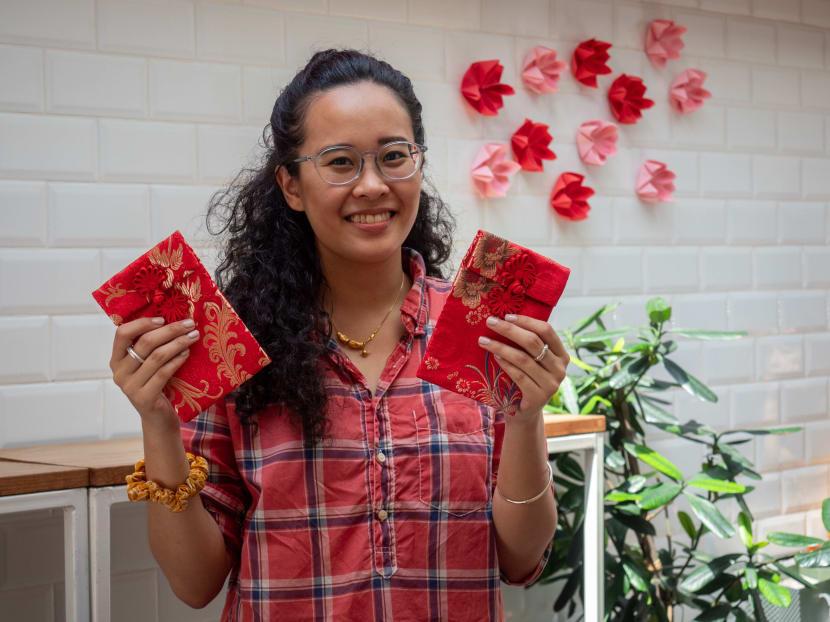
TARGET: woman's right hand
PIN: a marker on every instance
(164, 349)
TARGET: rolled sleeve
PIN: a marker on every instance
(224, 495)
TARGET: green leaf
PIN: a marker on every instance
(567, 392)
(633, 573)
(719, 613)
(792, 540)
(716, 485)
(687, 524)
(825, 514)
(707, 334)
(710, 516)
(745, 529)
(658, 310)
(751, 576)
(629, 372)
(776, 594)
(636, 483)
(653, 459)
(570, 467)
(637, 523)
(613, 458)
(600, 336)
(591, 404)
(793, 573)
(702, 575)
(789, 430)
(582, 324)
(688, 382)
(659, 495)
(814, 559)
(616, 496)
(735, 456)
(655, 414)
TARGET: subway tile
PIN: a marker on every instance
(816, 13)
(307, 6)
(814, 178)
(803, 400)
(459, 14)
(147, 151)
(775, 87)
(699, 312)
(726, 269)
(233, 33)
(750, 128)
(56, 412)
(224, 150)
(613, 271)
(525, 218)
(36, 602)
(445, 113)
(23, 213)
(726, 80)
(818, 442)
(805, 488)
(800, 132)
(24, 341)
(817, 267)
(752, 222)
(766, 498)
(671, 269)
(98, 215)
(637, 223)
(750, 41)
(306, 34)
(817, 355)
(81, 346)
(23, 67)
(72, 146)
(260, 88)
(190, 91)
(683, 163)
(815, 89)
(48, 280)
(154, 27)
(803, 312)
(756, 313)
(815, 525)
(776, 176)
(780, 451)
(464, 48)
(778, 268)
(755, 406)
(632, 21)
(732, 7)
(95, 84)
(116, 259)
(597, 229)
(689, 407)
(395, 44)
(725, 174)
(577, 20)
(700, 221)
(121, 420)
(181, 208)
(136, 595)
(386, 10)
(777, 10)
(780, 357)
(705, 35)
(704, 128)
(64, 23)
(800, 47)
(532, 19)
(801, 223)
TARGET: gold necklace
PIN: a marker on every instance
(361, 345)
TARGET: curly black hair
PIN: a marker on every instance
(270, 271)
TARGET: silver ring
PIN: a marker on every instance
(544, 351)
(134, 354)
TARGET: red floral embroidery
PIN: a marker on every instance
(626, 98)
(504, 300)
(520, 268)
(167, 302)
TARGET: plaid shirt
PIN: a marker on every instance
(389, 519)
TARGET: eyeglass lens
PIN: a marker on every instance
(341, 164)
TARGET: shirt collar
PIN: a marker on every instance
(415, 307)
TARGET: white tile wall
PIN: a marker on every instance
(125, 116)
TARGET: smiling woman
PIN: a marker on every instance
(341, 486)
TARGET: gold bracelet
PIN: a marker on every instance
(532, 499)
(139, 489)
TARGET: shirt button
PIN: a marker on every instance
(382, 515)
(380, 457)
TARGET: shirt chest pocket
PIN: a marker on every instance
(454, 453)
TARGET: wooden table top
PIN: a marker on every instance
(108, 462)
(19, 478)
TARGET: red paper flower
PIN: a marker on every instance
(570, 198)
(626, 98)
(588, 61)
(481, 88)
(530, 145)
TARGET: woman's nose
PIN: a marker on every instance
(370, 184)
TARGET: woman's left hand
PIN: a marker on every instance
(538, 379)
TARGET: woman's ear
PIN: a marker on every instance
(290, 187)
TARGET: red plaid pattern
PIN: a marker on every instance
(389, 519)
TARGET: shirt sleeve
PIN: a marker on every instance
(224, 495)
(498, 439)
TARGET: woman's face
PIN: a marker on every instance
(365, 116)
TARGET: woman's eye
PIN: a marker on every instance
(391, 156)
(339, 161)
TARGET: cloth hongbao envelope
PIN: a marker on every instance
(496, 277)
(169, 281)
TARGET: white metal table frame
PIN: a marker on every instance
(593, 445)
(101, 500)
(75, 540)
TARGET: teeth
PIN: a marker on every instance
(368, 219)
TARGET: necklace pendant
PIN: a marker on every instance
(365, 352)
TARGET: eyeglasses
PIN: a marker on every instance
(339, 165)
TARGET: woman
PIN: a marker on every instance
(342, 487)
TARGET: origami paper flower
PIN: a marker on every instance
(595, 141)
(530, 145)
(626, 98)
(655, 182)
(491, 172)
(686, 93)
(541, 70)
(663, 41)
(588, 61)
(481, 88)
(570, 198)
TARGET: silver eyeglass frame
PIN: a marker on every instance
(421, 150)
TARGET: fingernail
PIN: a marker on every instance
(193, 334)
(188, 323)
(510, 317)
(483, 340)
(492, 320)
(184, 352)
(158, 321)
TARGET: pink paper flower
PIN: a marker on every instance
(655, 182)
(663, 41)
(569, 198)
(481, 88)
(595, 141)
(530, 145)
(491, 172)
(687, 93)
(541, 70)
